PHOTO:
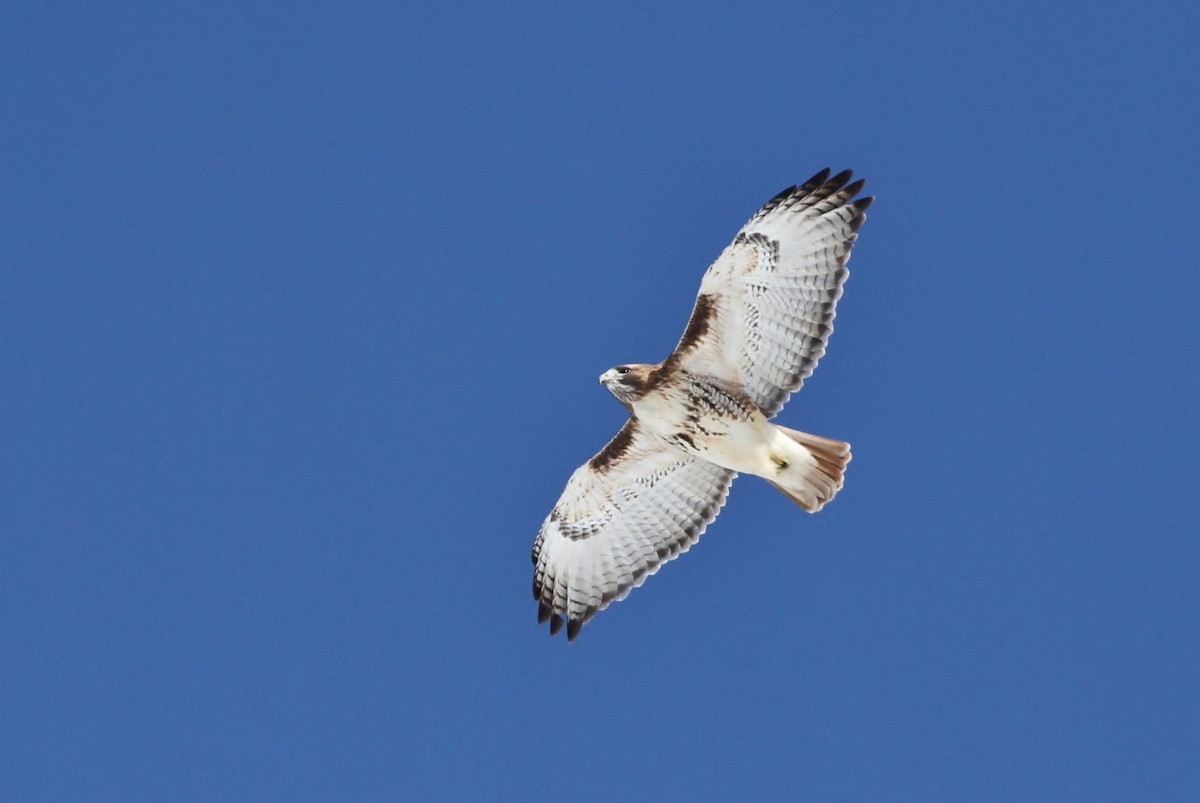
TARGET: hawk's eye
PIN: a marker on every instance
(623, 370)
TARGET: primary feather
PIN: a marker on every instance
(761, 322)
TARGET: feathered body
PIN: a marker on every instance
(760, 324)
(705, 417)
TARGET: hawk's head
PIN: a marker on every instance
(627, 382)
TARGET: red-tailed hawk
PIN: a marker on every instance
(702, 416)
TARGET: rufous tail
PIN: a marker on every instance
(812, 483)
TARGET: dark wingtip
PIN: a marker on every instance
(783, 195)
(854, 188)
(543, 613)
(860, 212)
(556, 623)
(573, 628)
(838, 181)
(816, 181)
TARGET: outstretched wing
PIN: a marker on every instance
(635, 505)
(766, 305)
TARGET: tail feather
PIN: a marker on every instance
(811, 485)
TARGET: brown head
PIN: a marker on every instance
(628, 382)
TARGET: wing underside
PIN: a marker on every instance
(634, 506)
(760, 323)
(766, 305)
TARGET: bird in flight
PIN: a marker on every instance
(702, 416)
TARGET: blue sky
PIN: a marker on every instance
(301, 312)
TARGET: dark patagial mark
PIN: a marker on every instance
(616, 448)
(826, 195)
(703, 315)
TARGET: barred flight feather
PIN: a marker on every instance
(760, 324)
